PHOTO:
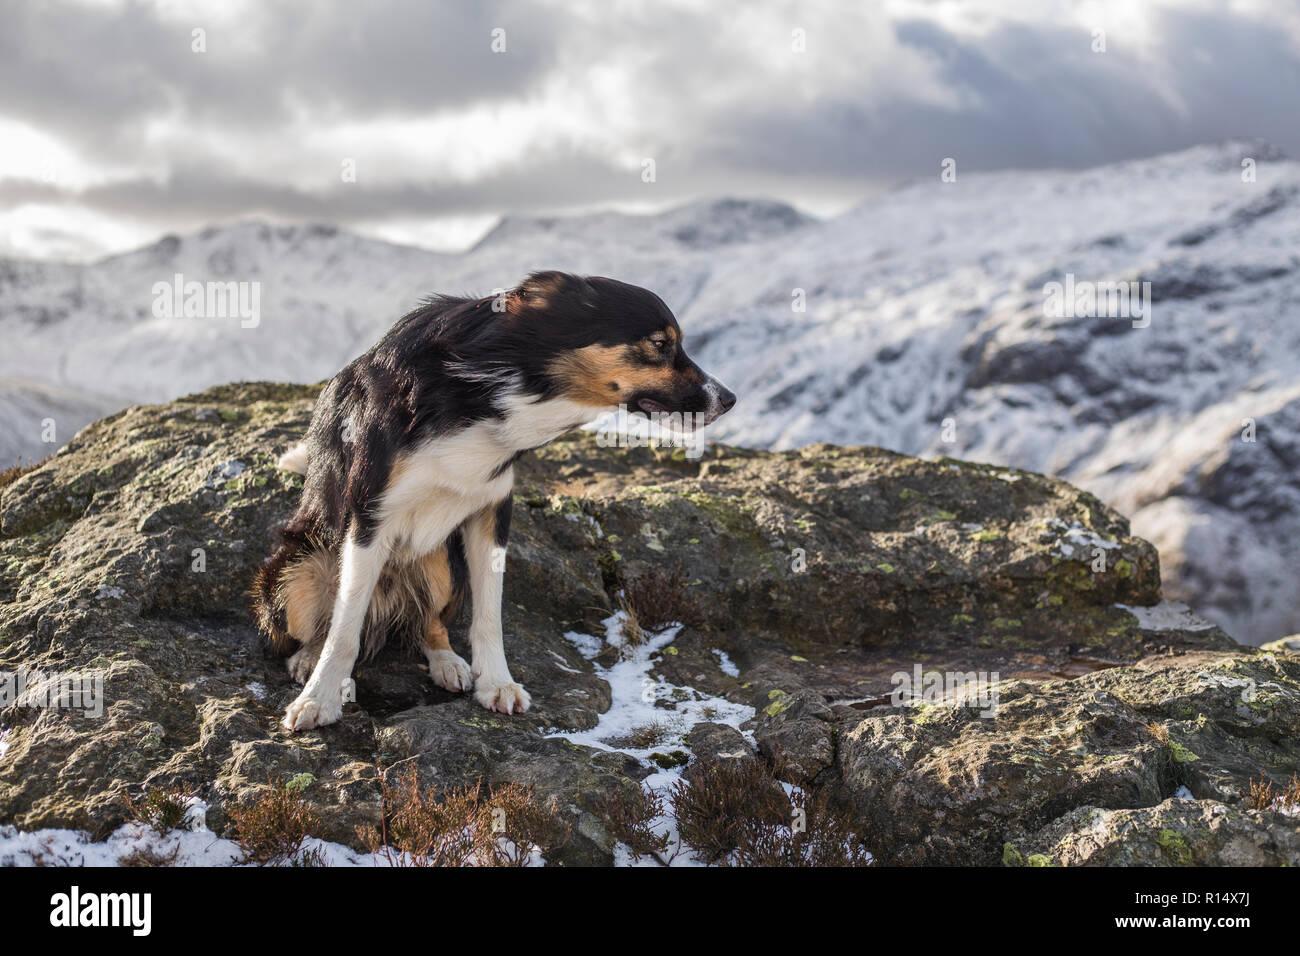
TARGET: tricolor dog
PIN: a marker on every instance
(409, 463)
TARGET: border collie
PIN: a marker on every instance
(409, 463)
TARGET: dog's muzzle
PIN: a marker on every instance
(720, 400)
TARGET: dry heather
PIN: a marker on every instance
(737, 813)
(467, 827)
(654, 600)
(273, 827)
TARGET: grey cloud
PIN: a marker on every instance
(200, 194)
(1027, 97)
(95, 75)
(1044, 100)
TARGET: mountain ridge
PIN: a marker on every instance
(923, 328)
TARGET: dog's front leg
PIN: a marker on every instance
(321, 700)
(486, 533)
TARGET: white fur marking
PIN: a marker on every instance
(449, 670)
(321, 701)
(295, 459)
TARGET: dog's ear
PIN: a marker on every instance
(549, 292)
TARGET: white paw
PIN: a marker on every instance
(507, 697)
(449, 671)
(317, 708)
(303, 662)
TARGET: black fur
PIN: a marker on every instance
(504, 509)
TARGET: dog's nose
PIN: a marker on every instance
(726, 398)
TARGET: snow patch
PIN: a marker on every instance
(1076, 537)
(725, 663)
(638, 702)
(195, 846)
(1167, 616)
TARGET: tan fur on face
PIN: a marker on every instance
(518, 305)
(603, 375)
(534, 294)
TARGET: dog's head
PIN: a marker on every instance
(610, 344)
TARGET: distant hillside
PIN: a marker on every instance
(923, 306)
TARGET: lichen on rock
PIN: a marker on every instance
(815, 575)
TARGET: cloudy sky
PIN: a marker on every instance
(119, 122)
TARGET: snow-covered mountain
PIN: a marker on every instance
(923, 329)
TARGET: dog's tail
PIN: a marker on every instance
(295, 459)
(267, 592)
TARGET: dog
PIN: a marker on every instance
(409, 463)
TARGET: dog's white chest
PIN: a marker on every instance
(438, 485)
(441, 484)
(529, 423)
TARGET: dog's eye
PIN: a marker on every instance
(660, 343)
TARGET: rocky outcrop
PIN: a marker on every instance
(942, 785)
(1175, 833)
(807, 581)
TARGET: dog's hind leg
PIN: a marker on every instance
(321, 701)
(447, 668)
(486, 533)
(307, 592)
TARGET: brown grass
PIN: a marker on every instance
(646, 736)
(658, 598)
(465, 827)
(272, 828)
(737, 814)
(633, 633)
(1264, 796)
(150, 856)
(9, 475)
(629, 812)
(824, 836)
(722, 800)
(163, 810)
